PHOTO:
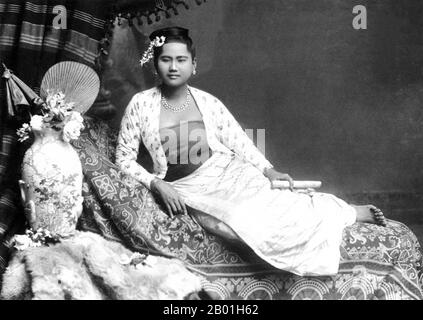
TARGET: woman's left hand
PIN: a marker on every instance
(272, 175)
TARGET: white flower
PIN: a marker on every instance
(36, 123)
(158, 42)
(60, 96)
(52, 99)
(72, 130)
(23, 132)
(56, 98)
(76, 116)
(148, 54)
(23, 241)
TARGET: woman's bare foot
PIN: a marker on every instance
(370, 214)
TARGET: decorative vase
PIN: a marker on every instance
(52, 173)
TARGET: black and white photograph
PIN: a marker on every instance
(217, 150)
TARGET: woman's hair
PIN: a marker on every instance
(172, 34)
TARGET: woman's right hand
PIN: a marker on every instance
(170, 197)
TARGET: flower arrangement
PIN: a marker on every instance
(148, 54)
(32, 238)
(57, 114)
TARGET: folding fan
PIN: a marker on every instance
(78, 82)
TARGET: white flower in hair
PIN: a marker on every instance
(148, 54)
(159, 41)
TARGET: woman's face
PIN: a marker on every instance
(175, 64)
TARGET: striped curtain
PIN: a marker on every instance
(29, 45)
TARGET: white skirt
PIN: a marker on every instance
(296, 232)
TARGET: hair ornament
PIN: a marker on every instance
(148, 54)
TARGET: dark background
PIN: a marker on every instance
(338, 104)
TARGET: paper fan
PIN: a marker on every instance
(79, 83)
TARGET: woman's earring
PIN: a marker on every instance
(194, 72)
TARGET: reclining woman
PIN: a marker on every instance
(205, 164)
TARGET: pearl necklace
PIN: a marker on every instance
(176, 109)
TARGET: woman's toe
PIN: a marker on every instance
(378, 215)
(381, 220)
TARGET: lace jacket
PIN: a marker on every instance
(141, 123)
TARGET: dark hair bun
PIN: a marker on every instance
(170, 32)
